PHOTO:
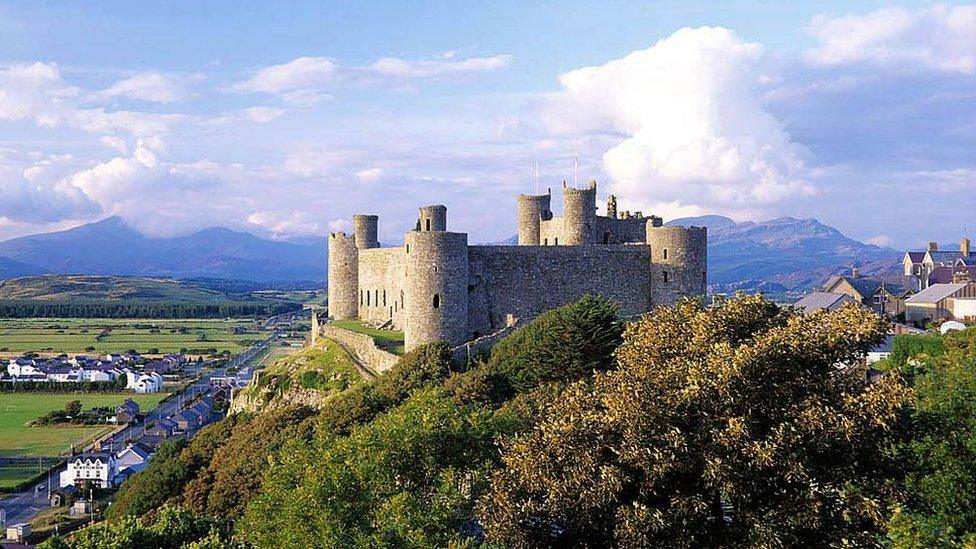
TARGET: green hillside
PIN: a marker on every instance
(80, 288)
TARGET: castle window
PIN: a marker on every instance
(367, 298)
(376, 299)
(545, 242)
(384, 298)
(428, 225)
(665, 277)
(437, 301)
(606, 237)
(408, 248)
(402, 302)
(705, 277)
(360, 297)
(665, 254)
(555, 241)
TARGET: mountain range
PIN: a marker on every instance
(785, 254)
(779, 255)
(110, 247)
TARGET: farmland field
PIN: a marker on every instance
(17, 409)
(99, 335)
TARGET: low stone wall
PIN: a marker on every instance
(363, 347)
(462, 353)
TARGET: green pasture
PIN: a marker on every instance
(78, 335)
(17, 409)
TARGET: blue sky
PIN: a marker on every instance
(284, 119)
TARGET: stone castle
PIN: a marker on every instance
(437, 287)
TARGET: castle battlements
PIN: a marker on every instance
(438, 287)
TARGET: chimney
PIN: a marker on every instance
(933, 246)
(855, 272)
(964, 247)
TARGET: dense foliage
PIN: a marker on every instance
(908, 346)
(734, 426)
(172, 528)
(940, 485)
(729, 426)
(39, 308)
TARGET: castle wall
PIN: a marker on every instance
(432, 218)
(679, 262)
(579, 216)
(343, 276)
(526, 281)
(533, 210)
(382, 275)
(365, 228)
(436, 288)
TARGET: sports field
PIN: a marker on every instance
(16, 409)
(99, 336)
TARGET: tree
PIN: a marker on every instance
(732, 426)
(73, 408)
(940, 483)
(408, 478)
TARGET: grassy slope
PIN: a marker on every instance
(333, 371)
(75, 335)
(17, 439)
(389, 340)
(75, 288)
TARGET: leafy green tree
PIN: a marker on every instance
(72, 408)
(731, 426)
(563, 344)
(408, 478)
(173, 528)
(940, 485)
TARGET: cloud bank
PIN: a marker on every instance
(692, 134)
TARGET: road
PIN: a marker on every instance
(24, 506)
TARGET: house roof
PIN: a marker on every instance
(945, 256)
(92, 456)
(136, 449)
(864, 286)
(916, 257)
(822, 301)
(935, 293)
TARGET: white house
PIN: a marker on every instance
(939, 301)
(97, 374)
(99, 467)
(142, 382)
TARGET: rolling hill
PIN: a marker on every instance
(74, 287)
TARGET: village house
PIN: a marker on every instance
(822, 301)
(920, 266)
(881, 297)
(942, 302)
(127, 412)
(100, 468)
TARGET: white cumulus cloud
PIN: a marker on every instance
(690, 132)
(937, 37)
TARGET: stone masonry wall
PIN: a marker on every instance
(523, 281)
(363, 347)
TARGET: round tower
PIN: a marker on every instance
(365, 231)
(343, 277)
(433, 218)
(436, 288)
(532, 209)
(579, 215)
(679, 262)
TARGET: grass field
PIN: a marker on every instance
(78, 335)
(388, 340)
(16, 409)
(12, 474)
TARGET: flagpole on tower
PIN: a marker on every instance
(576, 171)
(536, 177)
